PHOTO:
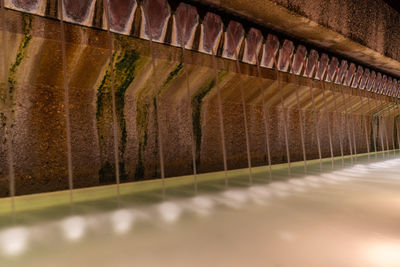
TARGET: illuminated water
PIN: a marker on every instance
(343, 217)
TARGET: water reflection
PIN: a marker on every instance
(341, 206)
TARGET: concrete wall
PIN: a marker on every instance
(34, 75)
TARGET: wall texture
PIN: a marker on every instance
(151, 79)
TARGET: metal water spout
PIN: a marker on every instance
(310, 64)
(285, 56)
(185, 22)
(371, 81)
(211, 32)
(121, 14)
(296, 68)
(364, 79)
(341, 74)
(332, 70)
(322, 65)
(298, 60)
(271, 48)
(252, 46)
(350, 74)
(156, 14)
(234, 36)
(357, 77)
(378, 83)
(79, 11)
(26, 5)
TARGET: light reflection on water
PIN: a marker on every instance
(334, 213)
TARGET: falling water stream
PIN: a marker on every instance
(352, 117)
(296, 86)
(347, 123)
(379, 124)
(327, 115)
(189, 107)
(337, 115)
(8, 129)
(183, 41)
(328, 121)
(265, 114)
(110, 39)
(372, 120)
(387, 124)
(157, 105)
(310, 66)
(285, 126)
(396, 124)
(382, 120)
(316, 129)
(66, 103)
(392, 115)
(239, 71)
(364, 122)
(221, 118)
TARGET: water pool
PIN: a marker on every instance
(347, 215)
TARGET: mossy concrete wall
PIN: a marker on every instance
(35, 77)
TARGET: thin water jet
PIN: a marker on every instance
(364, 123)
(296, 67)
(322, 70)
(316, 128)
(110, 49)
(66, 103)
(366, 93)
(285, 54)
(8, 124)
(183, 37)
(237, 44)
(156, 96)
(379, 124)
(331, 78)
(270, 50)
(310, 66)
(347, 123)
(348, 77)
(210, 36)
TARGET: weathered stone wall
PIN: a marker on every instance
(35, 78)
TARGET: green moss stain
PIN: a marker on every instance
(21, 54)
(142, 123)
(171, 77)
(124, 73)
(197, 101)
(144, 105)
(12, 72)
